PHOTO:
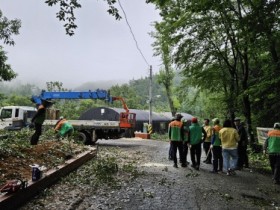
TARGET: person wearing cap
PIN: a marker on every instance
(216, 147)
(207, 142)
(38, 120)
(196, 136)
(229, 138)
(63, 127)
(176, 136)
(272, 146)
(242, 145)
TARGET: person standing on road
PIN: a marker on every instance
(242, 145)
(272, 146)
(186, 125)
(38, 120)
(216, 146)
(176, 136)
(207, 142)
(170, 146)
(229, 138)
(196, 132)
(64, 128)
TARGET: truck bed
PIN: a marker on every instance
(88, 123)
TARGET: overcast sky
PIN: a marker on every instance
(101, 49)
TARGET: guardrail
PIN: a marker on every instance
(262, 134)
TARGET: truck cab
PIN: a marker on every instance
(16, 115)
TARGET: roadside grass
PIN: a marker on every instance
(110, 168)
(259, 162)
(161, 137)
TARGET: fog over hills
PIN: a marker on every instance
(92, 85)
(105, 85)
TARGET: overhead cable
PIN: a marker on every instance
(130, 29)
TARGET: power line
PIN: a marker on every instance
(130, 29)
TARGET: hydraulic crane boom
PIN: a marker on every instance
(123, 103)
(127, 119)
(48, 95)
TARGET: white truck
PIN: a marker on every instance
(17, 116)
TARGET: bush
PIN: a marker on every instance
(259, 162)
(162, 137)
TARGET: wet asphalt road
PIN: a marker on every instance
(164, 187)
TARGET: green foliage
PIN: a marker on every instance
(259, 162)
(136, 94)
(229, 50)
(66, 13)
(13, 143)
(158, 2)
(18, 100)
(161, 137)
(113, 10)
(7, 29)
(105, 169)
(55, 86)
(6, 72)
(67, 8)
(128, 93)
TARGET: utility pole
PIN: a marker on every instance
(150, 98)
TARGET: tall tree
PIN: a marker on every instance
(162, 47)
(218, 49)
(7, 29)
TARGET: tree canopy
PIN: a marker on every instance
(8, 28)
(67, 15)
(229, 48)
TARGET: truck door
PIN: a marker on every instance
(6, 117)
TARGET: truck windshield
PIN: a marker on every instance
(6, 113)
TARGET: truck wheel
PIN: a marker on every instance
(84, 137)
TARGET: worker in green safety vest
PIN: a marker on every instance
(272, 147)
(176, 137)
(64, 128)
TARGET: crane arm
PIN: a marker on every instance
(49, 95)
(123, 103)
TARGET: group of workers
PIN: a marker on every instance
(225, 146)
(63, 128)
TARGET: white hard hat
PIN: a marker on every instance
(276, 125)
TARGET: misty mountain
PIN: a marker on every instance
(105, 85)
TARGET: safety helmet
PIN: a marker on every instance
(276, 125)
(216, 121)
